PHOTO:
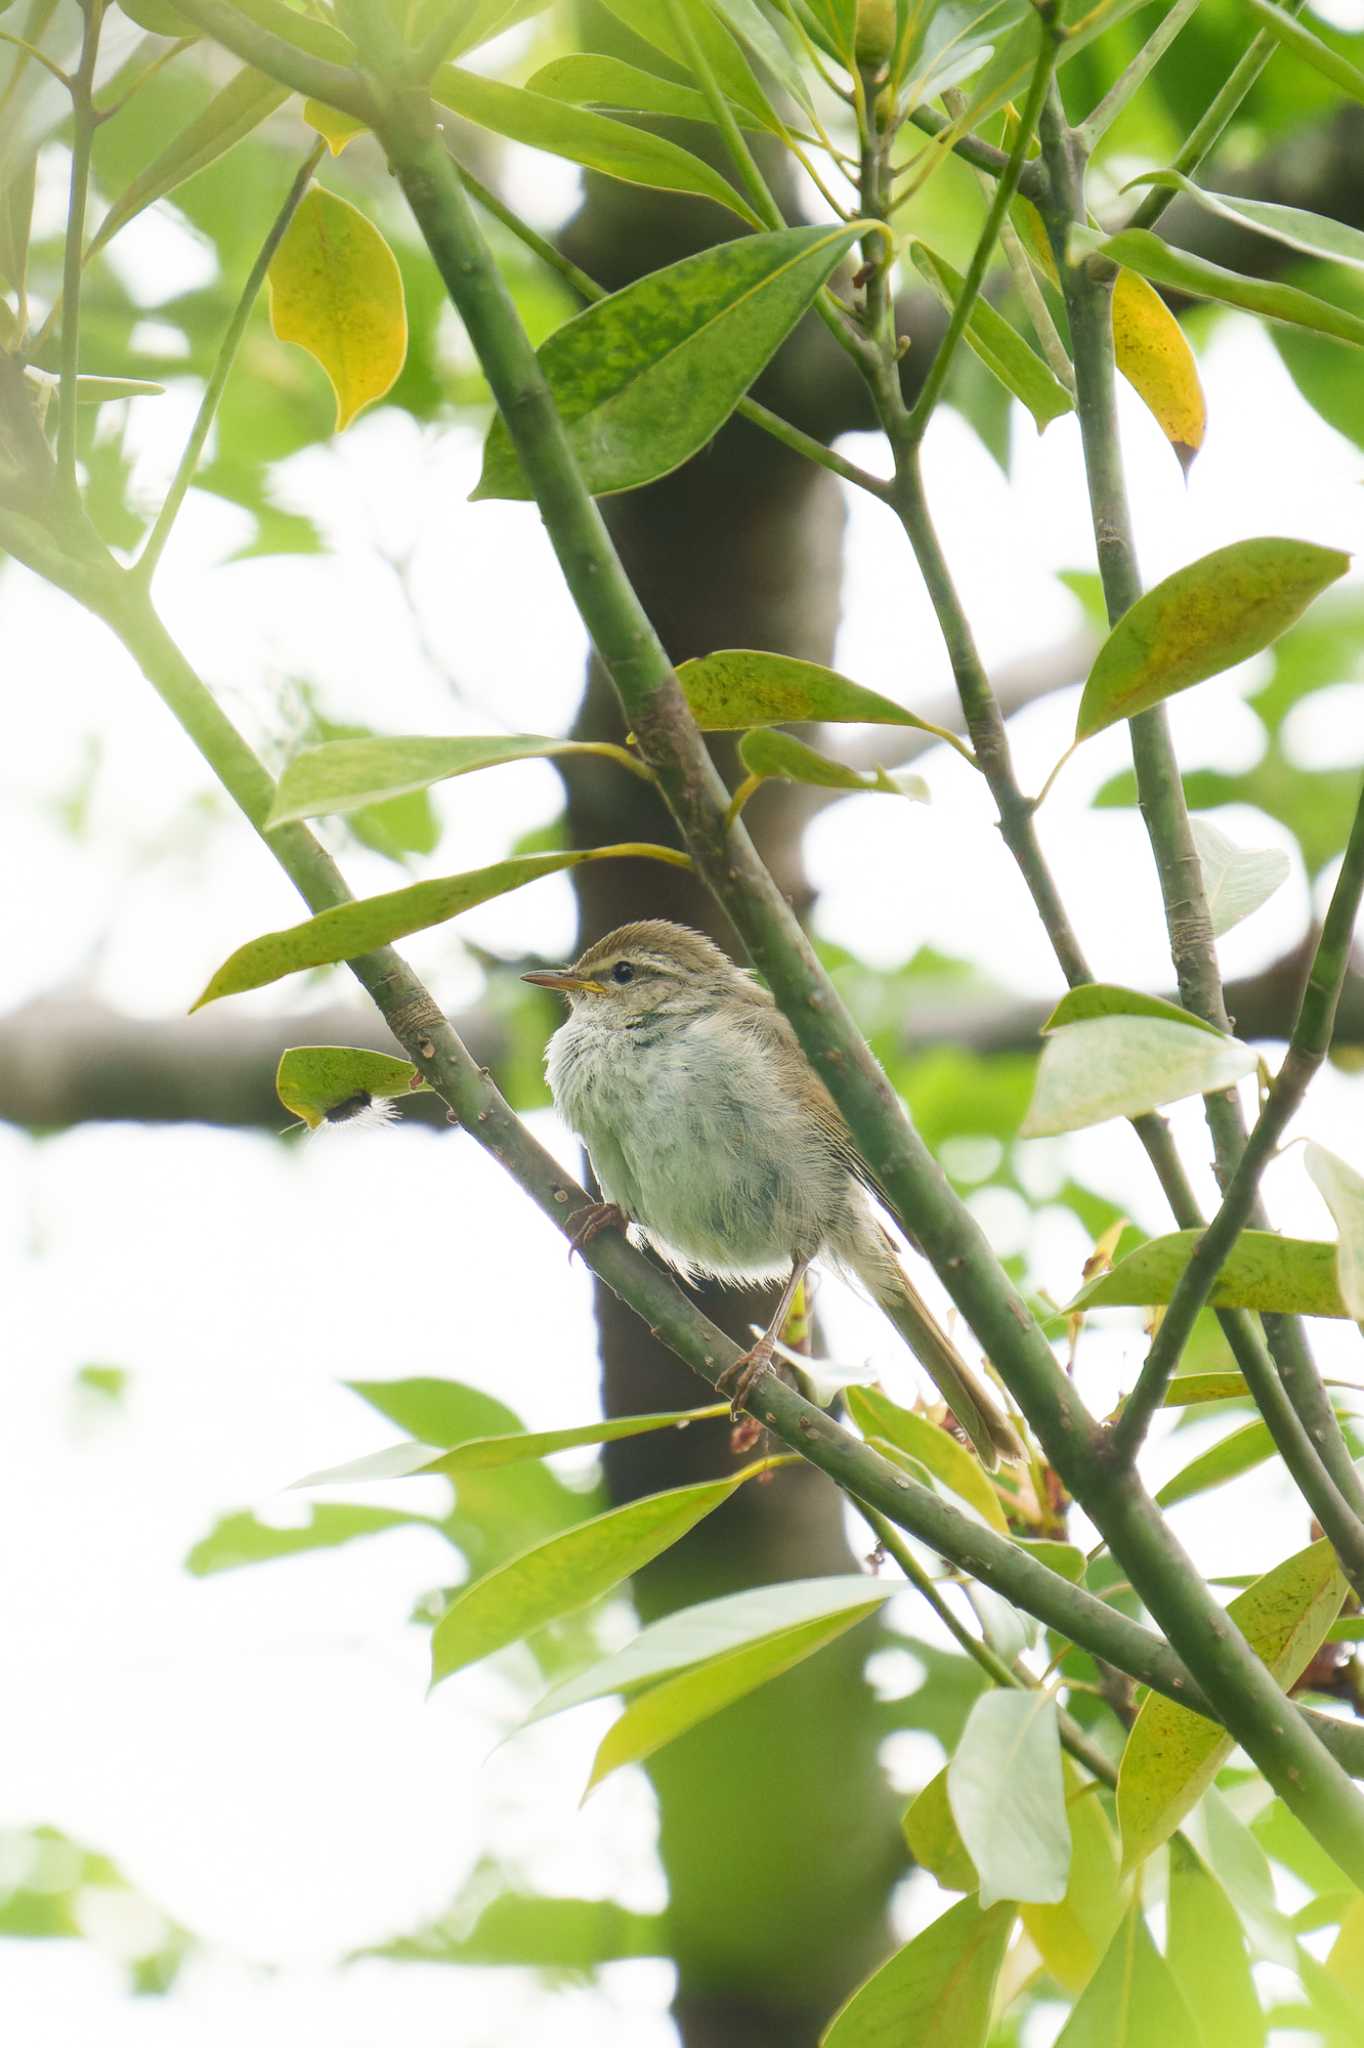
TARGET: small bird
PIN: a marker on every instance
(711, 1133)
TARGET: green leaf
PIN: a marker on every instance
(742, 686)
(1206, 1951)
(1294, 36)
(444, 1412)
(933, 1839)
(1072, 1936)
(1004, 352)
(243, 103)
(1066, 1559)
(1108, 999)
(477, 21)
(314, 1081)
(397, 1461)
(780, 757)
(567, 1572)
(1236, 880)
(241, 1539)
(1008, 1799)
(345, 774)
(654, 25)
(567, 1936)
(1145, 253)
(103, 390)
(593, 140)
(1205, 618)
(769, 40)
(607, 82)
(713, 1628)
(1239, 1451)
(938, 1988)
(1171, 1755)
(959, 1469)
(352, 929)
(1192, 1389)
(644, 378)
(1132, 2001)
(1342, 1190)
(159, 17)
(1311, 233)
(1263, 1271)
(336, 290)
(491, 1453)
(16, 216)
(660, 1715)
(1125, 1065)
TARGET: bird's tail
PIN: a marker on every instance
(878, 1266)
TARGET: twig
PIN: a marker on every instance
(1135, 74)
(83, 124)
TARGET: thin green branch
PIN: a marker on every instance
(40, 14)
(227, 355)
(83, 124)
(971, 148)
(31, 50)
(319, 77)
(1135, 73)
(1307, 1048)
(1207, 132)
(1005, 189)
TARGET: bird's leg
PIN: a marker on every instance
(736, 1380)
(587, 1223)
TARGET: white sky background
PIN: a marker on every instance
(256, 1749)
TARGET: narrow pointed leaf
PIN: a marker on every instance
(586, 81)
(644, 378)
(343, 775)
(1132, 2001)
(934, 1840)
(1312, 234)
(1163, 264)
(1125, 1065)
(1005, 354)
(1109, 999)
(729, 67)
(1342, 1190)
(1072, 1936)
(1297, 37)
(1205, 618)
(313, 1081)
(781, 757)
(1008, 1797)
(742, 686)
(397, 1461)
(1193, 1389)
(767, 38)
(242, 1539)
(666, 1711)
(336, 290)
(1153, 353)
(491, 1453)
(1172, 1755)
(566, 1573)
(1236, 879)
(593, 140)
(1241, 1450)
(959, 1469)
(103, 390)
(443, 1412)
(712, 1629)
(352, 929)
(1206, 1951)
(1282, 1275)
(937, 1988)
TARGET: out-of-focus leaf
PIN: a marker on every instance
(1241, 1450)
(335, 289)
(585, 81)
(103, 390)
(315, 1081)
(1297, 37)
(356, 928)
(1125, 1065)
(1163, 264)
(344, 774)
(1285, 1275)
(593, 140)
(564, 1574)
(1342, 1190)
(877, 1415)
(336, 129)
(243, 103)
(242, 1539)
(527, 1930)
(781, 757)
(743, 686)
(1072, 1936)
(443, 1412)
(1153, 353)
(933, 1839)
(1004, 352)
(714, 1628)
(666, 1711)
(768, 39)
(644, 378)
(1172, 1755)
(1008, 1799)
(1206, 1952)
(1205, 618)
(1192, 1389)
(937, 1988)
(1132, 2000)
(1236, 879)
(1109, 999)
(159, 17)
(732, 73)
(1066, 1559)
(1312, 234)
(471, 22)
(16, 213)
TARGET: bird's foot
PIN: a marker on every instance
(737, 1380)
(589, 1221)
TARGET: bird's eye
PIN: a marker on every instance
(622, 972)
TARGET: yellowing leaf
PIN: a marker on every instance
(1154, 355)
(335, 128)
(934, 1840)
(336, 291)
(1172, 1755)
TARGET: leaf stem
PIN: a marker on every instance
(145, 567)
(1135, 74)
(83, 123)
(320, 78)
(722, 113)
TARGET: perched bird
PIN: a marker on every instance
(709, 1130)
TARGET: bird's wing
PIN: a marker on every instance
(824, 1112)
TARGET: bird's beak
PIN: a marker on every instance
(566, 982)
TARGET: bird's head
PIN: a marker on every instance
(644, 969)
